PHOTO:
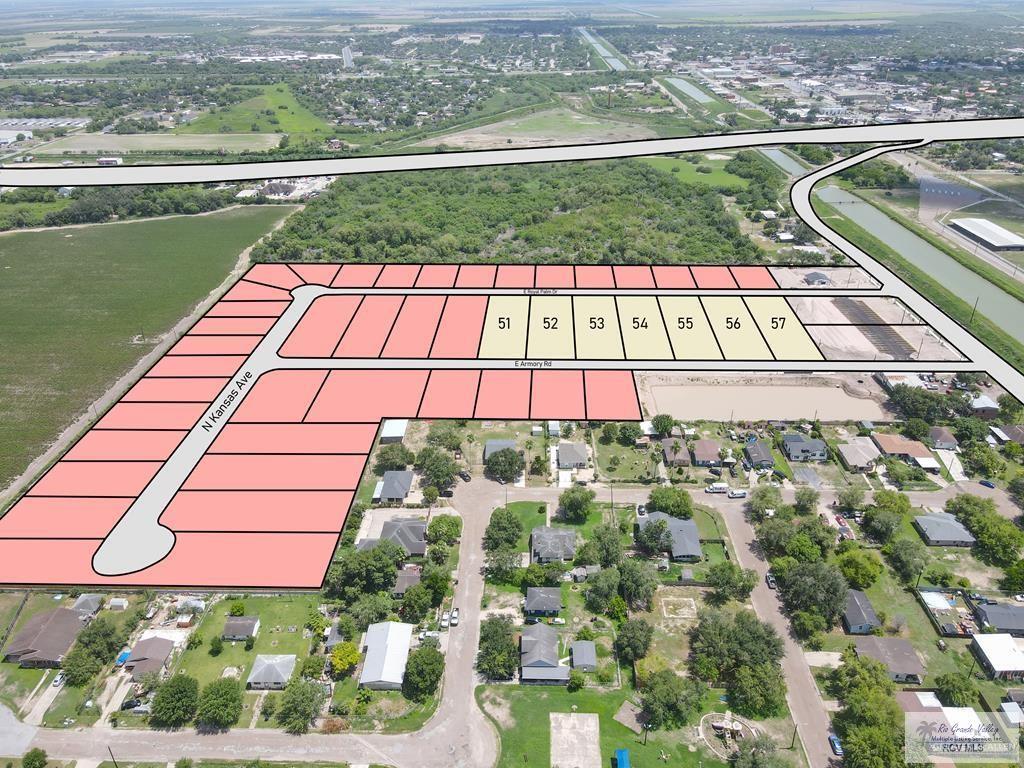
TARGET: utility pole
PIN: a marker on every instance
(112, 759)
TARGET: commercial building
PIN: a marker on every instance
(989, 234)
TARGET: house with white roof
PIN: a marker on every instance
(386, 646)
(1000, 654)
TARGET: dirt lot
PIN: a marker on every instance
(757, 397)
(554, 126)
(823, 309)
(839, 277)
(156, 142)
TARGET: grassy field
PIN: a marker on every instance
(547, 126)
(278, 617)
(686, 171)
(164, 142)
(81, 305)
(274, 111)
(529, 514)
(522, 716)
(634, 465)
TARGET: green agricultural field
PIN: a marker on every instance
(82, 305)
(276, 110)
(684, 170)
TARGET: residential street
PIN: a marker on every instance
(458, 734)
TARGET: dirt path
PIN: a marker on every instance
(126, 380)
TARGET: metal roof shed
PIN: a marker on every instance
(387, 651)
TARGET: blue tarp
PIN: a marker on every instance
(123, 657)
(621, 758)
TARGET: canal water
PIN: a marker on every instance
(995, 304)
(690, 90)
(784, 161)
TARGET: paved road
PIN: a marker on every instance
(458, 735)
(942, 130)
(805, 703)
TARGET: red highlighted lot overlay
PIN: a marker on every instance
(234, 460)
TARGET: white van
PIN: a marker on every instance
(717, 488)
(737, 493)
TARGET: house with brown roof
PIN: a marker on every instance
(911, 451)
(707, 453)
(943, 439)
(149, 655)
(676, 454)
(897, 654)
(45, 639)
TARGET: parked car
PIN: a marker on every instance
(988, 483)
(558, 620)
(465, 476)
(837, 747)
(58, 681)
(715, 471)
(447, 493)
(130, 704)
(737, 493)
(769, 579)
(429, 634)
(455, 617)
(446, 619)
(641, 509)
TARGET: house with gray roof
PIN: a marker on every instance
(897, 654)
(859, 618)
(408, 576)
(552, 545)
(410, 533)
(572, 456)
(271, 672)
(538, 657)
(859, 454)
(149, 655)
(941, 529)
(493, 446)
(543, 601)
(802, 448)
(88, 604)
(240, 627)
(685, 537)
(393, 487)
(759, 454)
(583, 655)
(1001, 617)
(45, 639)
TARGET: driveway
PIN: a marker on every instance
(457, 735)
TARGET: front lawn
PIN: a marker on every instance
(522, 717)
(281, 632)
